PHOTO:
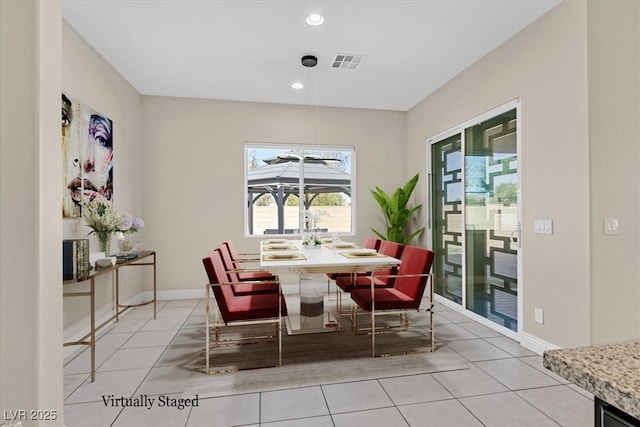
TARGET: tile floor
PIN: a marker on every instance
(506, 385)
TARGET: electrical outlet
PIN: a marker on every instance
(538, 315)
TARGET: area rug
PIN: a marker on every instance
(318, 359)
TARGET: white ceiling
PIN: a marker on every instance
(251, 50)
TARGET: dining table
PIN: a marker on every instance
(343, 257)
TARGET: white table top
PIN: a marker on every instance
(322, 259)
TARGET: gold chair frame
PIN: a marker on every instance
(244, 341)
(403, 313)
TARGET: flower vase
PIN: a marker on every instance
(104, 242)
(125, 242)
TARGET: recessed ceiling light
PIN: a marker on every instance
(297, 85)
(315, 19)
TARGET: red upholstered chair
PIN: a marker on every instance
(242, 275)
(382, 278)
(251, 309)
(239, 258)
(367, 243)
(405, 294)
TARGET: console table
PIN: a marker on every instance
(90, 338)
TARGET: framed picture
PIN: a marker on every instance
(87, 147)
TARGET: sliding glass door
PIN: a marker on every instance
(474, 187)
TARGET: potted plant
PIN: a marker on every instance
(396, 212)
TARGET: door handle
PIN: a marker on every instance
(518, 232)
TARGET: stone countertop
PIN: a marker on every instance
(609, 371)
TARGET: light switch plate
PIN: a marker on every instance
(543, 226)
(611, 226)
(538, 315)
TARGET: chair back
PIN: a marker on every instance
(227, 261)
(394, 250)
(371, 243)
(414, 261)
(232, 251)
(217, 274)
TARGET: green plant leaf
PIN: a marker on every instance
(395, 210)
(414, 234)
(380, 235)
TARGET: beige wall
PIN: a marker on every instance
(193, 170)
(30, 250)
(573, 169)
(614, 146)
(87, 77)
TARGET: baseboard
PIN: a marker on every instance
(174, 294)
(528, 341)
(535, 344)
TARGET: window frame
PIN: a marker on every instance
(304, 149)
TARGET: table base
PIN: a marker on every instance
(298, 324)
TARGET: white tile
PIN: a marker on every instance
(506, 409)
(226, 411)
(423, 399)
(177, 312)
(139, 313)
(478, 349)
(117, 383)
(112, 340)
(580, 390)
(564, 405)
(451, 332)
(384, 417)
(468, 382)
(190, 336)
(355, 396)
(166, 380)
(515, 374)
(454, 316)
(322, 421)
(292, 403)
(184, 303)
(72, 382)
(183, 355)
(536, 362)
(132, 358)
(127, 324)
(481, 331)
(165, 324)
(414, 389)
(89, 414)
(443, 413)
(150, 339)
(82, 363)
(156, 416)
(510, 346)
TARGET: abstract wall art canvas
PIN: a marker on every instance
(87, 147)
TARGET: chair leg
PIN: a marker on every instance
(207, 322)
(279, 341)
(373, 332)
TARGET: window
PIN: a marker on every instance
(277, 178)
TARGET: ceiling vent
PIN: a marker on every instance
(346, 61)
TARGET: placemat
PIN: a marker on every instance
(288, 248)
(348, 254)
(295, 257)
(344, 248)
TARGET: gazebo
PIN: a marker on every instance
(280, 177)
